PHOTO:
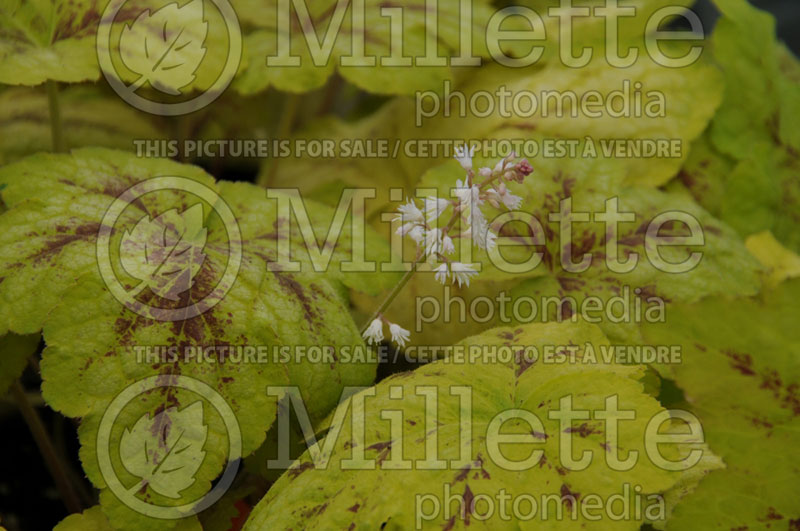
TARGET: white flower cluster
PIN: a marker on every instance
(374, 332)
(435, 244)
(421, 224)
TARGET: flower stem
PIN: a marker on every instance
(285, 127)
(56, 130)
(403, 281)
(42, 438)
(393, 295)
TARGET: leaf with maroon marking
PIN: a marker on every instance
(263, 226)
(55, 206)
(740, 372)
(336, 496)
(646, 291)
(96, 347)
(49, 242)
(166, 252)
(52, 39)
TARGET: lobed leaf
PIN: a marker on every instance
(745, 171)
(384, 497)
(751, 346)
(378, 34)
(50, 281)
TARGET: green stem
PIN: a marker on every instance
(395, 292)
(285, 126)
(56, 130)
(410, 273)
(42, 438)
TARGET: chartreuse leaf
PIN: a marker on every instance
(96, 346)
(93, 519)
(641, 294)
(14, 353)
(168, 48)
(675, 106)
(48, 39)
(750, 346)
(262, 223)
(381, 41)
(746, 171)
(781, 263)
(56, 204)
(91, 116)
(589, 29)
(354, 167)
(751, 71)
(387, 496)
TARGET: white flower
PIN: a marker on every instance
(399, 334)
(409, 213)
(434, 207)
(502, 195)
(470, 201)
(505, 164)
(405, 228)
(464, 156)
(464, 193)
(512, 201)
(462, 273)
(490, 240)
(433, 241)
(447, 245)
(374, 333)
(441, 274)
(417, 233)
(483, 237)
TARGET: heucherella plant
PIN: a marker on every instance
(466, 223)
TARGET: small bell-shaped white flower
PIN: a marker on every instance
(462, 273)
(374, 332)
(464, 156)
(399, 334)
